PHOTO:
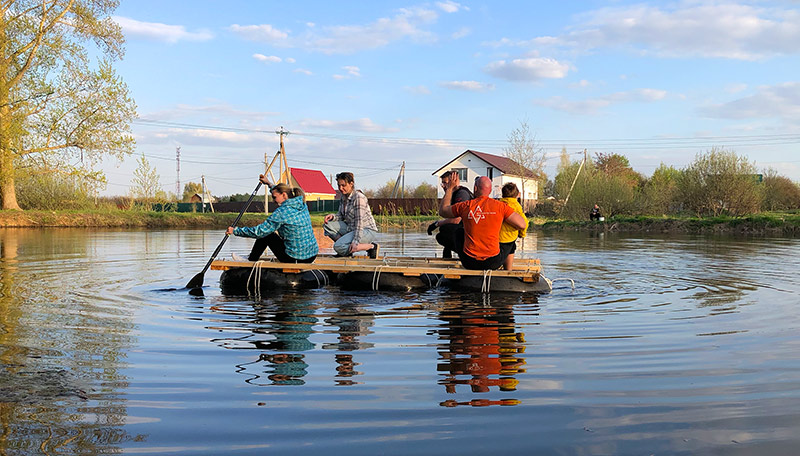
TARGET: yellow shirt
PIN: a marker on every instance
(507, 232)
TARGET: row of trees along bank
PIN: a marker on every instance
(718, 182)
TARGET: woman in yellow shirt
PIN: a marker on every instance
(509, 234)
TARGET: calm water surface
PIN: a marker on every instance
(666, 345)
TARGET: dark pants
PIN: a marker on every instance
(495, 262)
(278, 247)
(447, 236)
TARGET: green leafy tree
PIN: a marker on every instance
(425, 190)
(720, 182)
(190, 188)
(59, 107)
(660, 193)
(146, 187)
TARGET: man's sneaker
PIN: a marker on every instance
(237, 257)
(373, 252)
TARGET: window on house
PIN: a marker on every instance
(490, 172)
(462, 173)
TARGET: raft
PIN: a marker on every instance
(385, 273)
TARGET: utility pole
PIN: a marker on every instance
(178, 173)
(203, 196)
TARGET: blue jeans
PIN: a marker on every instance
(342, 245)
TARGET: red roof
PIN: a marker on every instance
(312, 181)
(504, 164)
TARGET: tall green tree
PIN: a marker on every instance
(59, 107)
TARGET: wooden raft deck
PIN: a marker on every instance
(527, 270)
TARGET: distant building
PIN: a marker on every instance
(500, 170)
(313, 183)
(197, 198)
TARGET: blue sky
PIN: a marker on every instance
(364, 88)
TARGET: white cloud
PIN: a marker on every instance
(449, 6)
(528, 69)
(689, 28)
(593, 105)
(418, 90)
(363, 125)
(776, 101)
(290, 60)
(471, 86)
(303, 71)
(406, 24)
(160, 32)
(263, 33)
(267, 58)
(352, 72)
(461, 33)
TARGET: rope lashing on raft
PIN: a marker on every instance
(255, 274)
(376, 277)
(324, 281)
(487, 281)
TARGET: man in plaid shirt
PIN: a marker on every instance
(353, 229)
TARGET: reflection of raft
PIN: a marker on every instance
(387, 273)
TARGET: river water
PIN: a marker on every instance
(666, 345)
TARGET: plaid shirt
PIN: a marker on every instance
(355, 212)
(293, 223)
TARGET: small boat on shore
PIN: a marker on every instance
(385, 273)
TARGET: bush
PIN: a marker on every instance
(720, 182)
(780, 193)
(48, 191)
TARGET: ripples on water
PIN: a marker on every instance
(667, 345)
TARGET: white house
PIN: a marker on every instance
(500, 170)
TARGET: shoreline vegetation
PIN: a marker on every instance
(769, 223)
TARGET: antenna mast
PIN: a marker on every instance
(178, 193)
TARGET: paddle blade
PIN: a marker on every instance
(196, 282)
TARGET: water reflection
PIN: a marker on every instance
(478, 349)
(60, 351)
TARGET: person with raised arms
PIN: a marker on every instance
(479, 247)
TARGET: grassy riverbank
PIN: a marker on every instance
(777, 224)
(772, 223)
(149, 219)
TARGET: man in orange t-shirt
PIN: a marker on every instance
(482, 217)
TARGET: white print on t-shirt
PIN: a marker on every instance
(478, 214)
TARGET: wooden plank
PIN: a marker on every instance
(414, 267)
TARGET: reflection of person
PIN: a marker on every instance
(290, 326)
(449, 226)
(287, 231)
(508, 233)
(353, 323)
(594, 214)
(480, 349)
(353, 229)
(482, 217)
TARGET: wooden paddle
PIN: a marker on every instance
(197, 281)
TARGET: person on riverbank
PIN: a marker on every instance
(449, 226)
(479, 246)
(508, 233)
(594, 214)
(353, 228)
(287, 231)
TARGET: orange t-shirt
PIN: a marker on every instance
(482, 219)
